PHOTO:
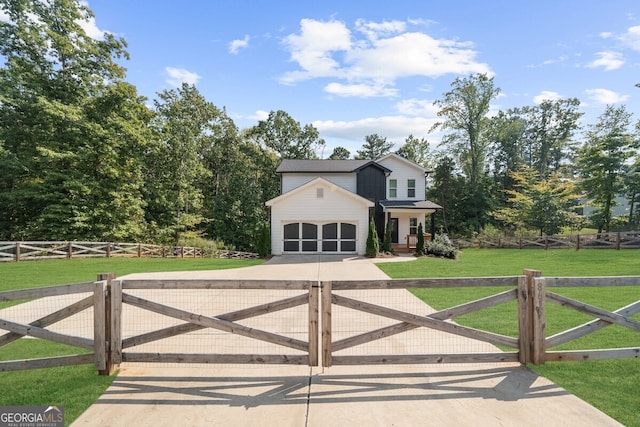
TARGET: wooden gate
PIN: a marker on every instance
(185, 321)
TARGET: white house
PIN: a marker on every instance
(325, 205)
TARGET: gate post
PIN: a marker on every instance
(116, 323)
(326, 324)
(314, 315)
(539, 321)
(103, 339)
(526, 316)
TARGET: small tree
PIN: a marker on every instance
(420, 244)
(264, 240)
(386, 243)
(373, 246)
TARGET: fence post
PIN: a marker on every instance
(618, 240)
(108, 249)
(17, 251)
(539, 321)
(99, 327)
(578, 242)
(524, 331)
(69, 250)
(105, 319)
(314, 302)
(116, 323)
(326, 324)
(526, 321)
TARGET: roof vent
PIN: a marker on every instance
(319, 193)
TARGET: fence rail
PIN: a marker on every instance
(617, 240)
(39, 250)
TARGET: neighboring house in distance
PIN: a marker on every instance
(325, 205)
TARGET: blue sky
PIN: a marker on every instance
(357, 68)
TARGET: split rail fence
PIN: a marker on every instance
(309, 333)
(616, 240)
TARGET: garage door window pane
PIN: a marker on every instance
(309, 231)
(330, 231)
(347, 246)
(309, 246)
(347, 231)
(291, 246)
(330, 246)
(292, 231)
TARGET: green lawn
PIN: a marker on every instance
(611, 385)
(74, 387)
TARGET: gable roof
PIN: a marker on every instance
(325, 166)
(324, 182)
(404, 160)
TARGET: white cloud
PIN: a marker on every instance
(417, 107)
(546, 95)
(4, 17)
(605, 96)
(386, 53)
(608, 60)
(236, 45)
(260, 115)
(632, 37)
(394, 128)
(90, 27)
(177, 76)
(362, 90)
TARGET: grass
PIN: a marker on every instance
(609, 385)
(74, 387)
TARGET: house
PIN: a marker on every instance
(325, 205)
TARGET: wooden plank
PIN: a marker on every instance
(524, 332)
(452, 282)
(52, 318)
(589, 327)
(593, 311)
(601, 354)
(212, 322)
(427, 322)
(314, 317)
(218, 284)
(99, 328)
(233, 316)
(374, 335)
(558, 282)
(34, 331)
(327, 349)
(216, 358)
(50, 291)
(539, 322)
(115, 342)
(48, 362)
(426, 359)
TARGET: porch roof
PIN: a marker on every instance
(400, 205)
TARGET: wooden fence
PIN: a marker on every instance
(114, 343)
(36, 250)
(617, 240)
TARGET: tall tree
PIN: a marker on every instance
(464, 109)
(375, 146)
(551, 126)
(602, 161)
(340, 153)
(183, 122)
(58, 120)
(281, 133)
(417, 150)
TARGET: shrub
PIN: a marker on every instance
(442, 246)
(373, 246)
(264, 240)
(386, 243)
(420, 242)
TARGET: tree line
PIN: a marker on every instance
(84, 157)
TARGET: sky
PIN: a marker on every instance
(353, 69)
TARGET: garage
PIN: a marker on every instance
(333, 237)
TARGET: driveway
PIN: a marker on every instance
(274, 395)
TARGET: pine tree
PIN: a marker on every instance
(373, 246)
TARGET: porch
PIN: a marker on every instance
(410, 245)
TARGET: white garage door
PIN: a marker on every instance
(334, 237)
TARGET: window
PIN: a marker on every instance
(393, 188)
(411, 188)
(413, 225)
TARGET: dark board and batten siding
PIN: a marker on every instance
(372, 185)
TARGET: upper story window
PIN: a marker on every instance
(393, 188)
(411, 188)
(413, 225)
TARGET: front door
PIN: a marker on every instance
(394, 229)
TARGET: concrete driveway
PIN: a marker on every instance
(274, 395)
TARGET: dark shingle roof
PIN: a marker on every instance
(323, 166)
(410, 204)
